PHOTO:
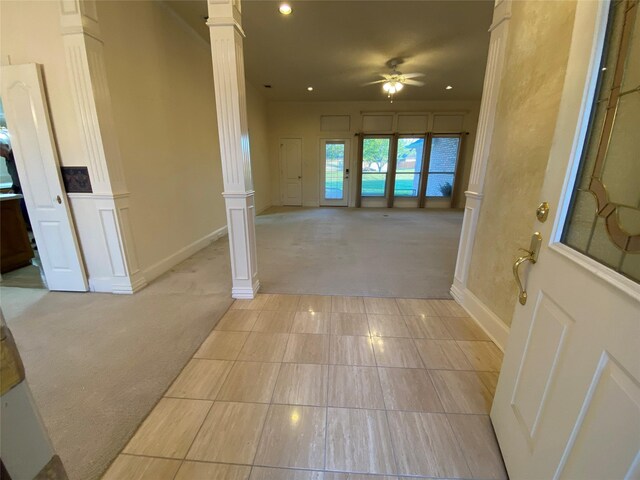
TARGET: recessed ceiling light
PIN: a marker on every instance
(310, 89)
(448, 87)
(285, 9)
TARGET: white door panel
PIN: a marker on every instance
(567, 404)
(291, 171)
(34, 149)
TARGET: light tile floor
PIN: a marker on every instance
(327, 388)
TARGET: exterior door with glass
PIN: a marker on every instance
(334, 172)
(567, 405)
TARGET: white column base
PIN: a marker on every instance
(104, 232)
(467, 237)
(244, 293)
(242, 244)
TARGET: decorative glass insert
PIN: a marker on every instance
(442, 165)
(334, 170)
(375, 160)
(604, 218)
(408, 166)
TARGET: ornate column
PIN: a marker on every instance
(102, 216)
(493, 76)
(226, 33)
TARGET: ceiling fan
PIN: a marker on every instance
(393, 82)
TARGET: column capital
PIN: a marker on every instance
(79, 17)
(225, 13)
(501, 13)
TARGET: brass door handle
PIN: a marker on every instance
(531, 256)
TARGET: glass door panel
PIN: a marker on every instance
(443, 160)
(334, 172)
(375, 161)
(603, 221)
(408, 166)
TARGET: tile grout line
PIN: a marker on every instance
(386, 415)
(269, 407)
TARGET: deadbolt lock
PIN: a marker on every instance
(542, 212)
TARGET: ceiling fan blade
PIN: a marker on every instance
(373, 83)
(415, 83)
(412, 75)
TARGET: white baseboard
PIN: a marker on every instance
(263, 209)
(164, 265)
(495, 328)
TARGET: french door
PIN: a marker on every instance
(334, 172)
(408, 170)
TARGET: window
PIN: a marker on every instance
(408, 169)
(443, 160)
(375, 162)
(408, 166)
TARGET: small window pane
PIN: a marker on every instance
(444, 154)
(375, 160)
(334, 171)
(439, 184)
(408, 166)
(407, 185)
(373, 184)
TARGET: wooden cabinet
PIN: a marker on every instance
(15, 246)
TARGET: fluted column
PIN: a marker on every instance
(493, 75)
(226, 32)
(102, 216)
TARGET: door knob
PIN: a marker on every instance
(530, 255)
(58, 199)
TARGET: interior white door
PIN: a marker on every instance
(334, 172)
(35, 152)
(567, 405)
(291, 171)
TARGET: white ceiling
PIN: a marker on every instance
(337, 46)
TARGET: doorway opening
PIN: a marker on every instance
(36, 199)
(20, 263)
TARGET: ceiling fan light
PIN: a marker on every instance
(398, 86)
(386, 87)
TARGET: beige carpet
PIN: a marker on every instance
(98, 363)
(402, 253)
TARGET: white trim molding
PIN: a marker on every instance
(493, 75)
(102, 217)
(492, 325)
(225, 28)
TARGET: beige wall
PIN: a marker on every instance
(535, 64)
(259, 144)
(161, 82)
(30, 33)
(302, 120)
